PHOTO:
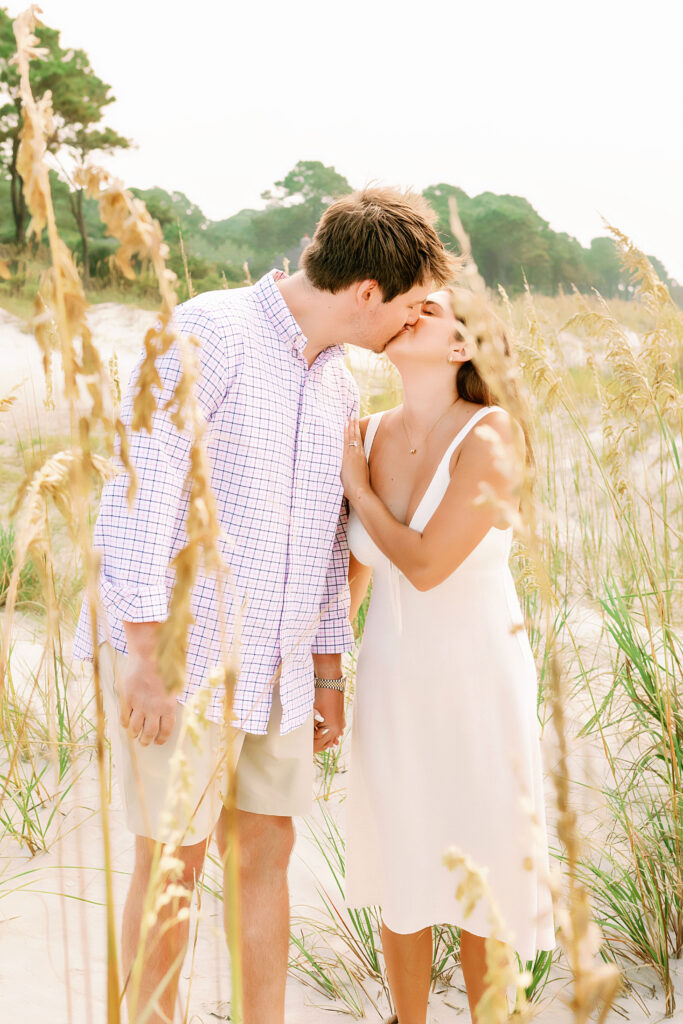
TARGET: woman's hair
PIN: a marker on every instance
(489, 377)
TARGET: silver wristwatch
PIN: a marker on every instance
(330, 684)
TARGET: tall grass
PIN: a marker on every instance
(608, 440)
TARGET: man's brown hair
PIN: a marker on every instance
(378, 234)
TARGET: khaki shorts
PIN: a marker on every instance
(174, 792)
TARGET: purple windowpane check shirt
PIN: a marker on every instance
(274, 440)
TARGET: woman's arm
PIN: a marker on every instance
(359, 575)
(483, 490)
(359, 581)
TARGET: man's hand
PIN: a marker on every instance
(146, 710)
(329, 704)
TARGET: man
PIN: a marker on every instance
(276, 395)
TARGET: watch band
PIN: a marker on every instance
(330, 684)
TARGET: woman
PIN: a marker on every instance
(445, 744)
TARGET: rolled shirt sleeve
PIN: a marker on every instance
(136, 544)
(335, 633)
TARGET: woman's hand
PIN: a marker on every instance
(355, 475)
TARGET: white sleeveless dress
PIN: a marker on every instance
(445, 741)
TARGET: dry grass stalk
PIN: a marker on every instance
(467, 270)
(594, 987)
(7, 401)
(188, 279)
(60, 318)
(501, 974)
(59, 322)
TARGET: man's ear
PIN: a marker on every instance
(368, 294)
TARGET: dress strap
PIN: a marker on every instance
(370, 431)
(464, 431)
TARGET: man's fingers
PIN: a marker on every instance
(124, 715)
(135, 724)
(165, 727)
(149, 730)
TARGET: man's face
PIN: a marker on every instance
(385, 320)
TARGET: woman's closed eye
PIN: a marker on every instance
(431, 308)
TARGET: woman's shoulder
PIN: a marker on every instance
(364, 423)
(496, 428)
(495, 417)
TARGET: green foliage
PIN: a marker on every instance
(79, 97)
(311, 180)
(512, 244)
(29, 579)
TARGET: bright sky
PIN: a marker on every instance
(575, 106)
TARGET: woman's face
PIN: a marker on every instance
(434, 338)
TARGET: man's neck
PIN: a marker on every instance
(314, 311)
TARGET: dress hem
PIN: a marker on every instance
(436, 921)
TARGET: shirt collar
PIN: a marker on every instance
(278, 311)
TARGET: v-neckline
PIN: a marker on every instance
(450, 448)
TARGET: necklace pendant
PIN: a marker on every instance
(412, 451)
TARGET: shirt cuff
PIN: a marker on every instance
(334, 637)
(130, 602)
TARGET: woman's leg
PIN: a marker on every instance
(473, 961)
(474, 967)
(409, 970)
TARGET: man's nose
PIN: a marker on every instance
(412, 319)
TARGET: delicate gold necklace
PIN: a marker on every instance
(411, 450)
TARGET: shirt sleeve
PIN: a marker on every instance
(335, 633)
(136, 544)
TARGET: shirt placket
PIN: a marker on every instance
(293, 646)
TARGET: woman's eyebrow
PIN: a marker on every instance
(431, 302)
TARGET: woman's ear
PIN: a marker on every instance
(459, 351)
(462, 346)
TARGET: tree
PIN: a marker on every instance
(78, 101)
(310, 181)
(84, 141)
(509, 241)
(606, 273)
(567, 261)
(438, 196)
